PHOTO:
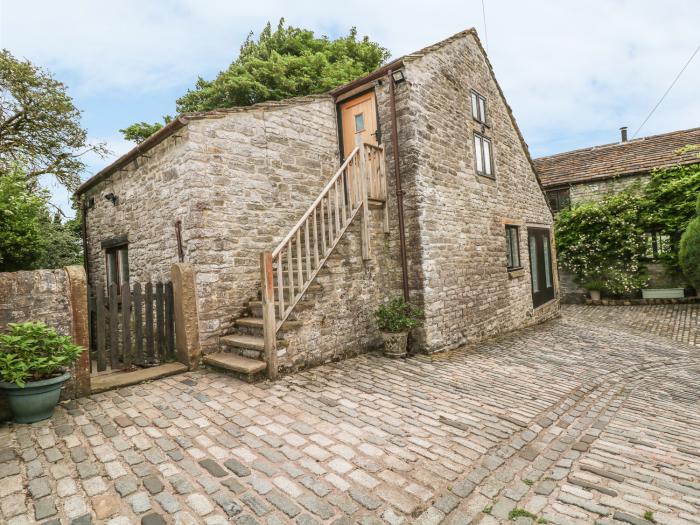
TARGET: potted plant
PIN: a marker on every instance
(34, 363)
(395, 319)
(594, 287)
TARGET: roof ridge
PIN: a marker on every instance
(613, 144)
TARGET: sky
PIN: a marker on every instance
(573, 72)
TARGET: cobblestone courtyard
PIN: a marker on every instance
(588, 418)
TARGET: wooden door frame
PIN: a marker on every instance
(548, 253)
(339, 118)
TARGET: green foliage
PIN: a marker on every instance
(649, 516)
(39, 125)
(689, 251)
(21, 233)
(603, 244)
(518, 513)
(29, 237)
(669, 204)
(140, 131)
(397, 316)
(488, 509)
(32, 351)
(283, 63)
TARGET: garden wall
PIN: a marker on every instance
(56, 297)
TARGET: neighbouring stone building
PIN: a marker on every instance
(219, 188)
(589, 174)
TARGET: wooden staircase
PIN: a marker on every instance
(288, 272)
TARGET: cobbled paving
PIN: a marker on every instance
(572, 421)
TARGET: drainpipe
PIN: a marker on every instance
(83, 209)
(399, 191)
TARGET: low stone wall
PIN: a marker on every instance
(56, 297)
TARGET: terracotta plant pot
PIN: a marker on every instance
(395, 343)
(595, 295)
(36, 401)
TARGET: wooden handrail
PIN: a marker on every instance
(323, 193)
(287, 272)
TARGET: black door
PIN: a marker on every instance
(540, 265)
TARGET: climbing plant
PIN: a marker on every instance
(689, 253)
(602, 243)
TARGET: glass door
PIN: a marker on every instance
(540, 265)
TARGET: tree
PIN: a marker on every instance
(283, 63)
(21, 236)
(39, 125)
(689, 252)
(140, 131)
(29, 237)
(602, 243)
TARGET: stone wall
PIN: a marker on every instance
(468, 292)
(238, 180)
(56, 297)
(341, 323)
(595, 191)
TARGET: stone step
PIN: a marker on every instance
(257, 323)
(244, 366)
(243, 341)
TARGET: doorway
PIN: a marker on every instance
(358, 116)
(540, 265)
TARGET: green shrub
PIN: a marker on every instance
(603, 244)
(397, 316)
(32, 351)
(689, 251)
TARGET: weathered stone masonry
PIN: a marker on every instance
(240, 179)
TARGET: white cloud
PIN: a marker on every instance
(569, 69)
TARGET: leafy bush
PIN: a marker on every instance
(689, 252)
(32, 351)
(603, 244)
(397, 316)
(668, 205)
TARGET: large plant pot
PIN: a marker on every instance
(36, 401)
(395, 343)
(595, 295)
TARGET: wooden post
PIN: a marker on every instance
(364, 220)
(268, 310)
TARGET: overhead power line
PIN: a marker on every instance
(486, 35)
(667, 91)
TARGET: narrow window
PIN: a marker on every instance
(117, 261)
(658, 244)
(478, 107)
(512, 247)
(483, 156)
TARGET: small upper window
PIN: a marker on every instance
(117, 260)
(559, 199)
(512, 247)
(483, 156)
(359, 122)
(478, 107)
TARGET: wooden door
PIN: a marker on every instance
(358, 116)
(540, 265)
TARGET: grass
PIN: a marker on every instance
(528, 482)
(521, 513)
(487, 510)
(649, 516)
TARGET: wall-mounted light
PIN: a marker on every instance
(398, 76)
(111, 197)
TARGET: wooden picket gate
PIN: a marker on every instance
(131, 326)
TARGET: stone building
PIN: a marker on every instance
(219, 188)
(589, 174)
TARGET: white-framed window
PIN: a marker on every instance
(478, 107)
(483, 156)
